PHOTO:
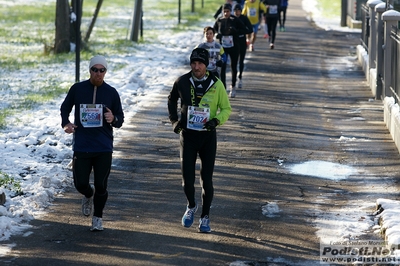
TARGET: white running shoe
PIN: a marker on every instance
(97, 224)
(87, 204)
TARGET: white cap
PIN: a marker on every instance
(98, 60)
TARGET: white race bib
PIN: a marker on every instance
(212, 65)
(227, 41)
(253, 12)
(91, 115)
(197, 117)
(273, 9)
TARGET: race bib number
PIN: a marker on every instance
(227, 41)
(197, 117)
(214, 54)
(253, 12)
(91, 115)
(273, 9)
(212, 65)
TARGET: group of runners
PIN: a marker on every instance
(235, 31)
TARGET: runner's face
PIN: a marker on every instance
(238, 12)
(199, 69)
(210, 36)
(96, 78)
(227, 13)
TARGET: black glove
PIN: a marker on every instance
(219, 63)
(219, 36)
(211, 125)
(177, 127)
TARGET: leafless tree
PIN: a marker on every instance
(62, 40)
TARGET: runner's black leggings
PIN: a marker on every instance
(282, 20)
(100, 162)
(233, 53)
(271, 23)
(203, 143)
(242, 54)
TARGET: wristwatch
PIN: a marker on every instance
(115, 120)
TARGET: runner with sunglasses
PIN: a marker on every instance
(97, 110)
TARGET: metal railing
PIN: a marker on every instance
(365, 29)
(381, 39)
(379, 53)
(395, 79)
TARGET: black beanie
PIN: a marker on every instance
(228, 6)
(199, 54)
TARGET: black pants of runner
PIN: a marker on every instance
(233, 53)
(271, 23)
(242, 54)
(100, 163)
(203, 143)
(282, 18)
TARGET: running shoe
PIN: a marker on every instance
(266, 36)
(188, 217)
(232, 94)
(87, 204)
(97, 224)
(251, 47)
(204, 226)
(271, 46)
(240, 84)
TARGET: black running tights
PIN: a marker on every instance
(100, 163)
(272, 22)
(203, 143)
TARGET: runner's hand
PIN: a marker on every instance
(211, 125)
(177, 127)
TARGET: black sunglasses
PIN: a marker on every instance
(95, 70)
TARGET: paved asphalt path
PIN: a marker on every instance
(297, 101)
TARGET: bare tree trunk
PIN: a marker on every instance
(91, 26)
(62, 41)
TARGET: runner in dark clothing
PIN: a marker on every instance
(242, 41)
(282, 14)
(229, 28)
(271, 18)
(97, 110)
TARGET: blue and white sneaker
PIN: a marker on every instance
(240, 85)
(188, 217)
(204, 226)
